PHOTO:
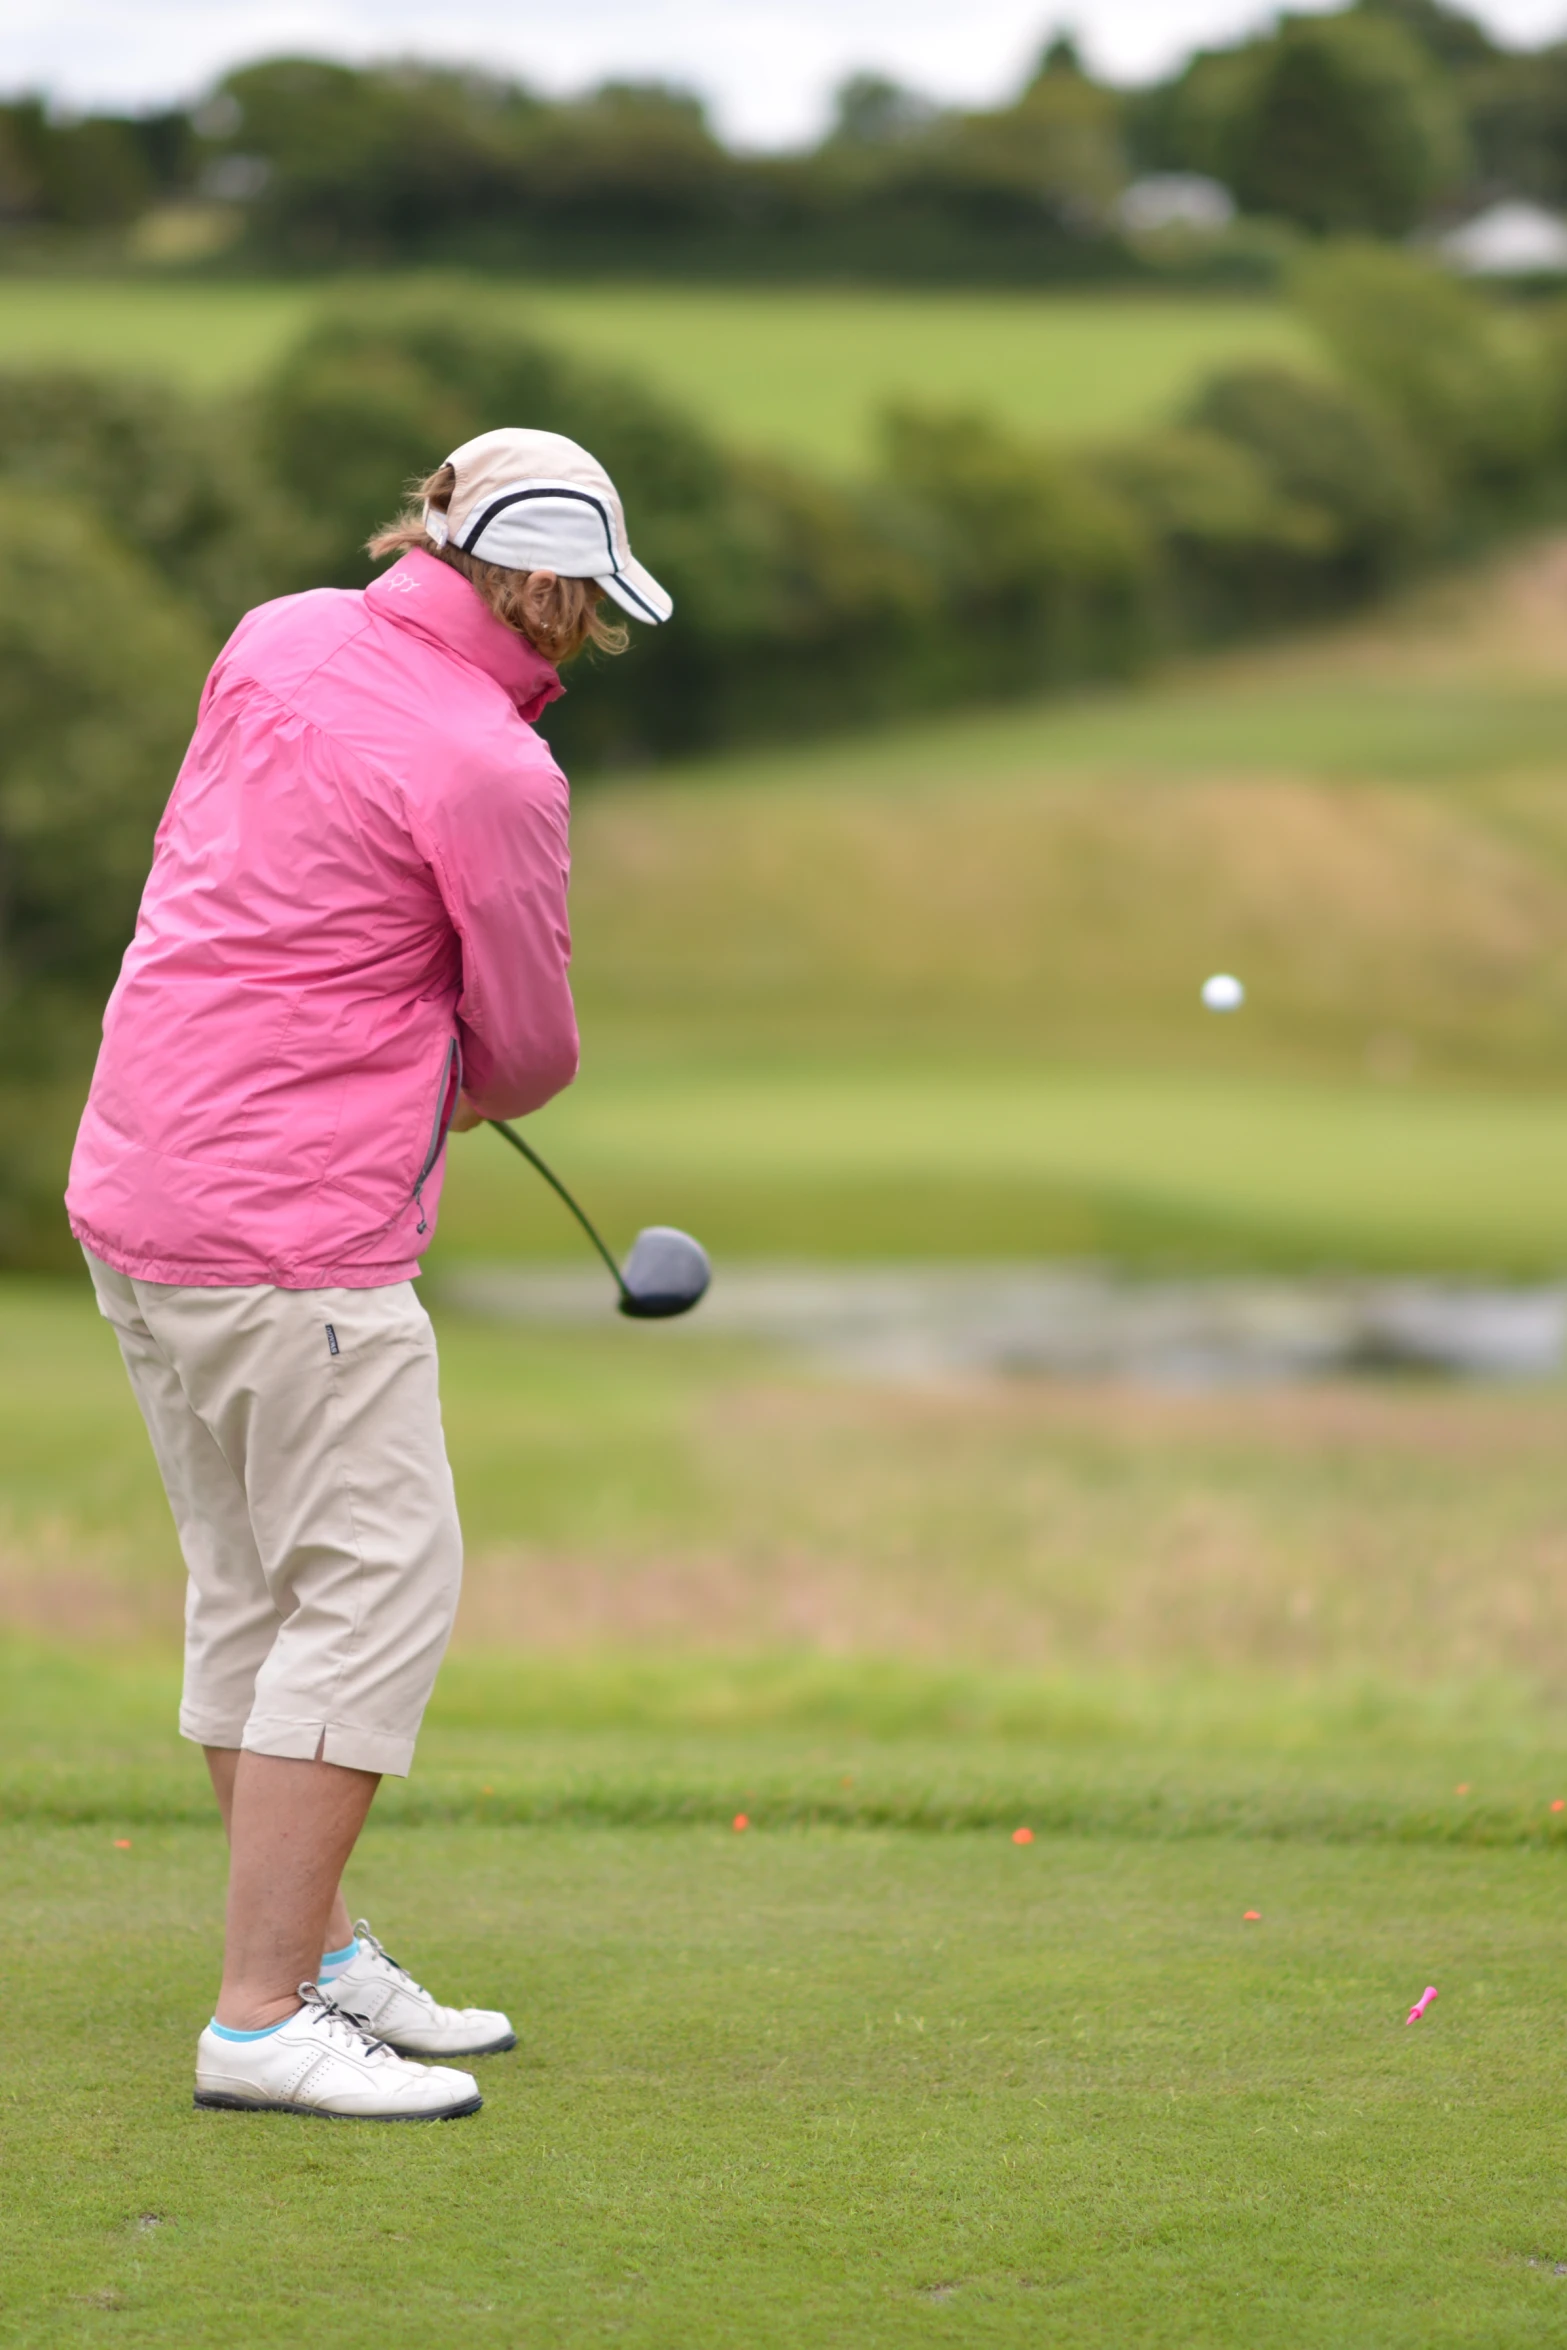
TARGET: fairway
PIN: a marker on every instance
(1194, 1168)
(799, 372)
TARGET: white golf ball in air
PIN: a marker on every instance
(1223, 992)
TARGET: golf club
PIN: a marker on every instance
(667, 1271)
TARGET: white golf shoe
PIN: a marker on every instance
(323, 2061)
(387, 2000)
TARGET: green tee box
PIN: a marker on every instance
(811, 2087)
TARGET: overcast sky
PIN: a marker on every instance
(766, 66)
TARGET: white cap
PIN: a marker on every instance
(534, 501)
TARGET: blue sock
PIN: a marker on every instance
(265, 2033)
(334, 1961)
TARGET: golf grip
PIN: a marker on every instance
(560, 1191)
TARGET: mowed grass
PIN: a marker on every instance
(816, 2082)
(949, 1162)
(817, 2088)
(803, 372)
(207, 338)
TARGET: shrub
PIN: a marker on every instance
(100, 668)
(177, 481)
(783, 593)
(975, 564)
(1465, 383)
(1279, 497)
(1040, 574)
(1344, 123)
(1328, 452)
(368, 403)
(1235, 551)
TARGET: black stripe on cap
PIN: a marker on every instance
(496, 506)
(626, 588)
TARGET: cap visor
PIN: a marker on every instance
(636, 591)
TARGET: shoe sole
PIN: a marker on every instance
(450, 2055)
(214, 2101)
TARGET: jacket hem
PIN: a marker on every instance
(242, 1272)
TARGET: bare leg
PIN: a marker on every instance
(221, 1761)
(221, 1765)
(292, 1826)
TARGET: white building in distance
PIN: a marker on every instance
(1175, 200)
(1513, 239)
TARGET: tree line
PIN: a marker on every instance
(1370, 120)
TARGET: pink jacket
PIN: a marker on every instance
(357, 904)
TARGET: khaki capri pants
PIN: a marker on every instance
(298, 1432)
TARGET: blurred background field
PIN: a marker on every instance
(620, 1489)
(799, 371)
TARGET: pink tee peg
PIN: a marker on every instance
(1421, 2004)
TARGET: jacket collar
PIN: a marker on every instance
(430, 599)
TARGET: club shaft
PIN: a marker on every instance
(560, 1191)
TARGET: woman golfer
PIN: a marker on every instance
(353, 939)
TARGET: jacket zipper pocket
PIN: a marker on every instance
(445, 1107)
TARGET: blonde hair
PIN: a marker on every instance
(558, 620)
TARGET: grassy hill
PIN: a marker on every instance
(936, 991)
(802, 372)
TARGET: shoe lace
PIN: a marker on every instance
(338, 2023)
(381, 1952)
